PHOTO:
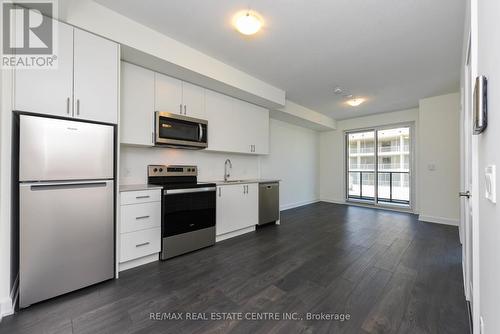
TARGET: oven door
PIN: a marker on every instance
(188, 210)
(180, 131)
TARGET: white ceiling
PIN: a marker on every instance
(393, 52)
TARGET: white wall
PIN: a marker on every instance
(293, 158)
(436, 142)
(332, 163)
(489, 154)
(439, 145)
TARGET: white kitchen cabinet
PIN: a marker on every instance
(193, 99)
(48, 91)
(139, 228)
(137, 105)
(179, 97)
(235, 125)
(95, 77)
(168, 94)
(84, 85)
(222, 134)
(237, 208)
(254, 127)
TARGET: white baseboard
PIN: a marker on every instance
(139, 262)
(438, 220)
(234, 233)
(334, 201)
(6, 307)
(297, 204)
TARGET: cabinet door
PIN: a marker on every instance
(168, 94)
(250, 208)
(237, 207)
(229, 200)
(223, 135)
(96, 62)
(48, 91)
(260, 137)
(253, 122)
(193, 98)
(137, 105)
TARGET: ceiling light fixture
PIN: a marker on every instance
(248, 23)
(355, 102)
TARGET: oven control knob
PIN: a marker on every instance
(155, 170)
(161, 170)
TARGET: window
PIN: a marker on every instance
(378, 168)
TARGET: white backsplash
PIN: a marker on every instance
(134, 162)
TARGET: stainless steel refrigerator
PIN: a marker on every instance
(66, 206)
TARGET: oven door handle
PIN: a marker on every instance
(200, 127)
(187, 191)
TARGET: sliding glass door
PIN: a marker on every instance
(379, 165)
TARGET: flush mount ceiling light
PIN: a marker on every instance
(355, 102)
(247, 23)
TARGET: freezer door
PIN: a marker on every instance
(66, 238)
(55, 149)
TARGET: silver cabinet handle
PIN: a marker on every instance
(78, 106)
(185, 111)
(180, 108)
(142, 217)
(142, 197)
(219, 191)
(143, 244)
(464, 194)
(67, 106)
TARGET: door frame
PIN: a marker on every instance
(411, 207)
(471, 272)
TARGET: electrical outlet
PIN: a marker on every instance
(431, 167)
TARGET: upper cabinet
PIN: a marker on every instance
(84, 85)
(96, 63)
(48, 91)
(179, 97)
(137, 105)
(235, 125)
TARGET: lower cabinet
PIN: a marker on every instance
(140, 227)
(237, 209)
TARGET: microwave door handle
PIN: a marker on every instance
(201, 131)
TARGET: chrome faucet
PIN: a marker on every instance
(227, 174)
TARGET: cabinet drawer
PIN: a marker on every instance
(140, 216)
(142, 196)
(137, 244)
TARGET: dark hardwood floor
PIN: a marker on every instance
(389, 272)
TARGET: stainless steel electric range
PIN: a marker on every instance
(188, 209)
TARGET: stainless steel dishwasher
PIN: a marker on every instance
(269, 202)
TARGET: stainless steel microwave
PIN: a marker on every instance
(180, 131)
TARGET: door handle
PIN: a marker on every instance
(180, 108)
(78, 106)
(200, 127)
(219, 191)
(185, 111)
(67, 106)
(465, 194)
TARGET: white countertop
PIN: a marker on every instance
(137, 187)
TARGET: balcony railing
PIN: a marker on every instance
(355, 150)
(392, 167)
(394, 148)
(392, 187)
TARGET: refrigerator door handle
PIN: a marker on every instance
(60, 185)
